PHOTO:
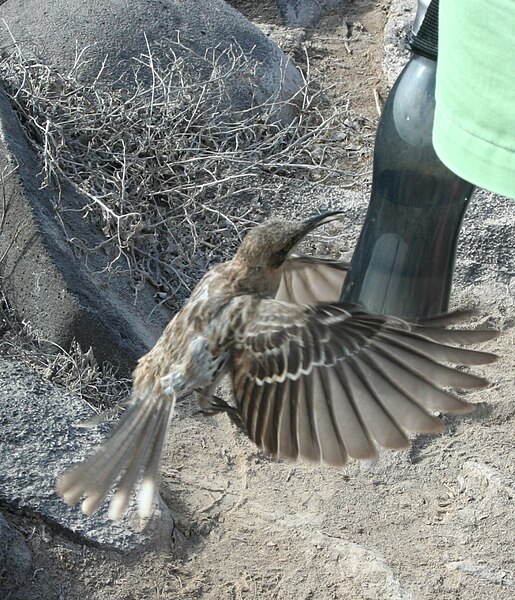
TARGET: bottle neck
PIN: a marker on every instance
(424, 37)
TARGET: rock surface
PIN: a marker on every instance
(305, 13)
(397, 30)
(117, 31)
(38, 441)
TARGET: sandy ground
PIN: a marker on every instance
(434, 522)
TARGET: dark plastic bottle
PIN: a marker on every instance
(404, 260)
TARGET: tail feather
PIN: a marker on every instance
(138, 458)
(150, 474)
(118, 454)
(95, 477)
(136, 445)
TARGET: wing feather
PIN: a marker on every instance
(264, 411)
(325, 382)
(255, 406)
(421, 391)
(309, 280)
(428, 367)
(408, 414)
(309, 447)
(270, 435)
(380, 425)
(353, 432)
(295, 391)
(331, 444)
(287, 437)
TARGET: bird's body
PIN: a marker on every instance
(321, 381)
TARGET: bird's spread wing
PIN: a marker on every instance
(309, 280)
(133, 450)
(324, 382)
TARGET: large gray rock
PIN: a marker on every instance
(38, 441)
(116, 31)
(47, 284)
(62, 295)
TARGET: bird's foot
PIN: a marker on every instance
(215, 405)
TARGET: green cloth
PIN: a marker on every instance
(474, 128)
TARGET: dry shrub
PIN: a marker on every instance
(98, 385)
(78, 371)
(169, 172)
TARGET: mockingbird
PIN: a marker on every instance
(312, 378)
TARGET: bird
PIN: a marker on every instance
(312, 378)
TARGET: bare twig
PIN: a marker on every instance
(167, 170)
(378, 102)
(99, 386)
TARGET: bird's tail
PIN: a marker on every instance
(134, 449)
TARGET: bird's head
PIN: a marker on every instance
(267, 246)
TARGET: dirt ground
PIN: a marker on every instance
(434, 522)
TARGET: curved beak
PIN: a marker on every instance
(321, 219)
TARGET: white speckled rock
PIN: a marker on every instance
(37, 442)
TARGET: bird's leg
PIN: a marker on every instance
(211, 404)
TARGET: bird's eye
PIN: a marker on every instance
(257, 269)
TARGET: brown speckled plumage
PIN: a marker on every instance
(311, 378)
